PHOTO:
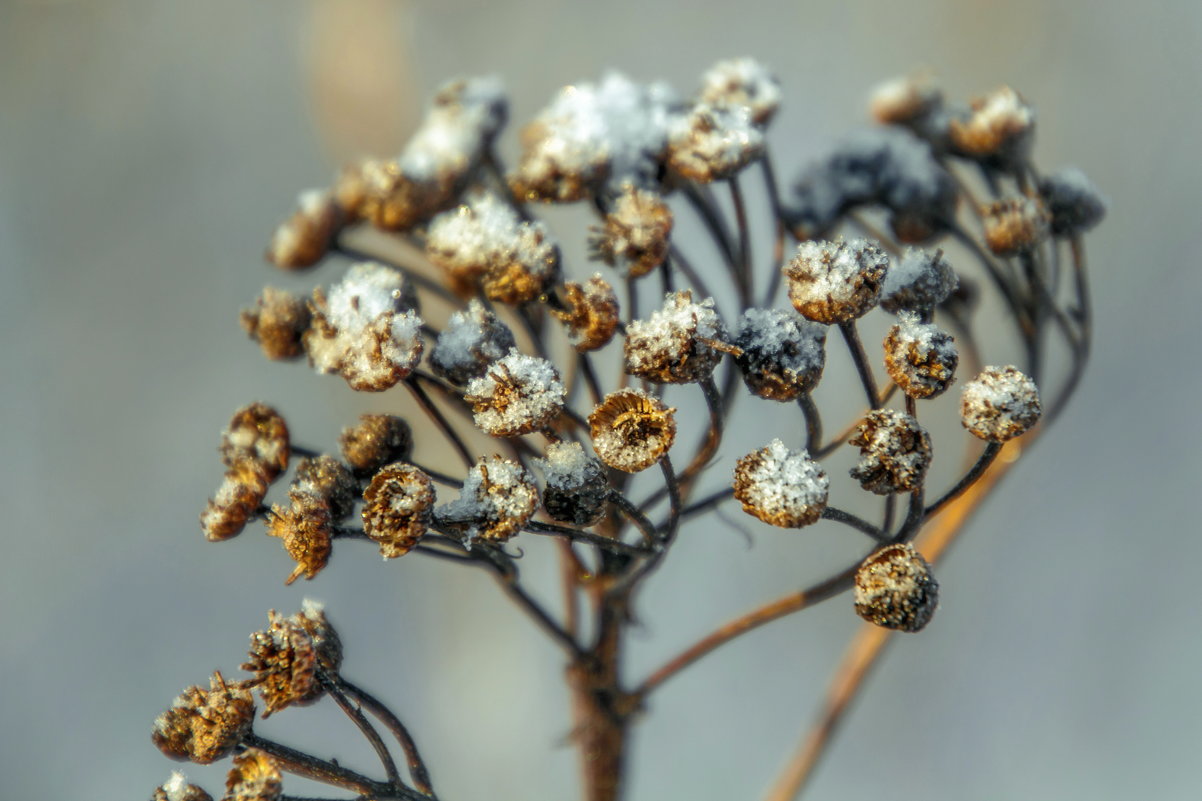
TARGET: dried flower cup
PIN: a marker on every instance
(836, 282)
(1000, 404)
(895, 452)
(631, 430)
(894, 589)
(782, 487)
(397, 508)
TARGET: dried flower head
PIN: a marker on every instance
(590, 313)
(286, 657)
(782, 355)
(681, 343)
(903, 100)
(1074, 202)
(471, 341)
(742, 83)
(836, 282)
(999, 404)
(328, 479)
(712, 143)
(237, 500)
(254, 777)
(919, 281)
(576, 489)
(377, 440)
(895, 452)
(1016, 225)
(497, 499)
(391, 200)
(631, 430)
(307, 528)
(305, 238)
(277, 322)
(635, 235)
(177, 789)
(1000, 126)
(919, 357)
(205, 725)
(397, 508)
(895, 589)
(257, 433)
(782, 487)
(517, 395)
(350, 190)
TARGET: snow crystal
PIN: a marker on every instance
(782, 487)
(919, 280)
(834, 282)
(673, 346)
(783, 354)
(517, 395)
(497, 498)
(464, 116)
(713, 142)
(472, 340)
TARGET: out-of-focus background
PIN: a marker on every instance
(148, 149)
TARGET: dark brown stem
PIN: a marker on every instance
(852, 338)
(813, 422)
(310, 767)
(582, 535)
(360, 720)
(417, 768)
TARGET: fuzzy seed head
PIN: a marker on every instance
(712, 143)
(631, 430)
(286, 656)
(591, 313)
(919, 357)
(576, 489)
(306, 528)
(783, 355)
(680, 344)
(920, 281)
(895, 452)
(328, 479)
(397, 507)
(742, 83)
(517, 395)
(254, 777)
(305, 238)
(377, 440)
(782, 487)
(1016, 225)
(471, 341)
(257, 433)
(237, 500)
(999, 404)
(635, 235)
(277, 322)
(895, 589)
(205, 725)
(836, 282)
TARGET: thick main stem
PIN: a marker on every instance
(602, 710)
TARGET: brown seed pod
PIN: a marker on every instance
(1016, 225)
(919, 281)
(781, 487)
(895, 452)
(306, 528)
(681, 343)
(635, 235)
(305, 238)
(498, 498)
(895, 589)
(712, 143)
(277, 322)
(392, 201)
(745, 83)
(576, 489)
(782, 355)
(254, 777)
(1000, 126)
(919, 357)
(377, 440)
(591, 313)
(205, 725)
(240, 495)
(1000, 404)
(397, 508)
(328, 479)
(631, 430)
(517, 395)
(904, 100)
(286, 656)
(259, 434)
(470, 342)
(836, 282)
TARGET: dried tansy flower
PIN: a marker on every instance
(286, 657)
(471, 341)
(237, 500)
(782, 354)
(782, 487)
(257, 433)
(895, 589)
(631, 430)
(681, 343)
(517, 395)
(742, 83)
(1000, 126)
(1016, 225)
(497, 499)
(919, 357)
(903, 100)
(836, 282)
(205, 725)
(1073, 201)
(635, 235)
(919, 281)
(254, 777)
(328, 479)
(999, 404)
(712, 143)
(590, 314)
(397, 508)
(895, 452)
(277, 322)
(377, 440)
(177, 789)
(305, 239)
(576, 488)
(307, 528)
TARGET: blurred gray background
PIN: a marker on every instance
(147, 149)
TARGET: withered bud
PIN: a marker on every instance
(919, 357)
(471, 341)
(681, 343)
(836, 282)
(377, 440)
(277, 322)
(328, 479)
(306, 528)
(902, 101)
(742, 83)
(631, 430)
(177, 789)
(205, 725)
(392, 201)
(782, 355)
(919, 281)
(1074, 202)
(576, 488)
(895, 589)
(1016, 225)
(591, 313)
(712, 143)
(498, 498)
(1000, 126)
(895, 452)
(237, 500)
(286, 656)
(397, 508)
(305, 238)
(635, 235)
(259, 434)
(999, 404)
(517, 395)
(254, 777)
(781, 487)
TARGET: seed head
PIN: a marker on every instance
(635, 235)
(517, 395)
(1074, 202)
(1016, 225)
(306, 527)
(391, 200)
(377, 440)
(781, 487)
(240, 495)
(895, 589)
(742, 83)
(782, 355)
(591, 313)
(836, 282)
(305, 238)
(328, 479)
(576, 488)
(1000, 126)
(257, 433)
(177, 789)
(712, 143)
(631, 430)
(999, 404)
(920, 281)
(287, 655)
(681, 343)
(895, 452)
(904, 100)
(254, 777)
(498, 498)
(277, 323)
(397, 508)
(205, 725)
(471, 341)
(919, 357)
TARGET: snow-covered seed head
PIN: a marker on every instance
(517, 395)
(177, 789)
(377, 440)
(904, 100)
(237, 500)
(1074, 202)
(634, 237)
(895, 452)
(575, 489)
(350, 190)
(895, 589)
(497, 499)
(742, 83)
(277, 323)
(307, 529)
(257, 433)
(205, 725)
(305, 238)
(365, 329)
(471, 341)
(999, 404)
(254, 777)
(781, 487)
(392, 201)
(711, 143)
(919, 281)
(397, 508)
(1016, 225)
(681, 343)
(631, 430)
(1000, 126)
(836, 282)
(919, 357)
(782, 354)
(590, 313)
(286, 656)
(329, 479)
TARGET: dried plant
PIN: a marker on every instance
(911, 217)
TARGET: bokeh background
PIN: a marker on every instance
(148, 148)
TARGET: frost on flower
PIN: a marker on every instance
(677, 345)
(1074, 202)
(471, 341)
(782, 487)
(712, 142)
(782, 355)
(497, 498)
(920, 280)
(836, 282)
(177, 788)
(920, 357)
(517, 395)
(895, 452)
(576, 489)
(999, 404)
(743, 82)
(999, 126)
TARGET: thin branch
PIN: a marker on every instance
(360, 720)
(813, 422)
(852, 337)
(858, 523)
(417, 768)
(582, 535)
(310, 767)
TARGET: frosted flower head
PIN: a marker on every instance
(306, 237)
(286, 656)
(177, 789)
(1074, 202)
(782, 355)
(903, 100)
(836, 282)
(590, 313)
(365, 329)
(397, 508)
(894, 589)
(575, 487)
(517, 395)
(205, 725)
(895, 452)
(277, 322)
(1000, 126)
(919, 357)
(742, 83)
(306, 528)
(328, 479)
(498, 498)
(237, 500)
(257, 433)
(631, 430)
(999, 404)
(392, 201)
(254, 777)
(377, 440)
(1016, 225)
(782, 487)
(635, 235)
(680, 344)
(919, 281)
(712, 143)
(471, 341)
